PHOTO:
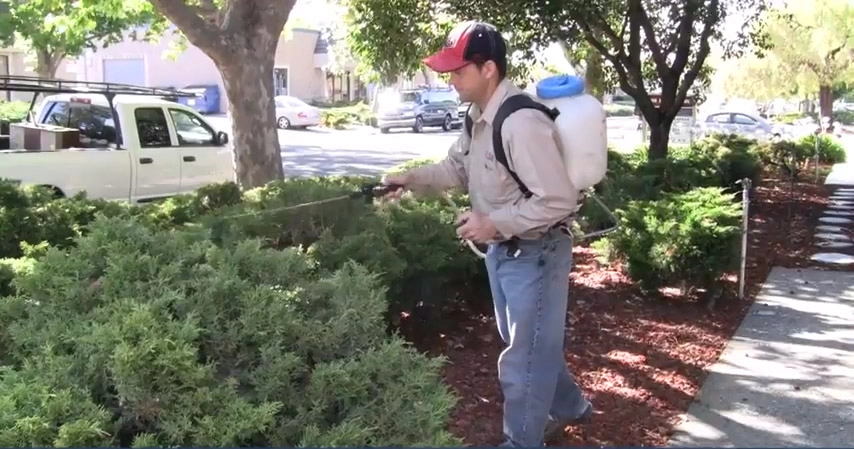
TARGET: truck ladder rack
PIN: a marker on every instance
(15, 83)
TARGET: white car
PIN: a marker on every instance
(145, 149)
(294, 113)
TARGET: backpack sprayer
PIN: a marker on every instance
(581, 122)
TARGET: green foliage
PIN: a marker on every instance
(391, 38)
(617, 110)
(844, 117)
(56, 29)
(792, 158)
(648, 46)
(335, 119)
(340, 116)
(829, 149)
(13, 111)
(32, 215)
(163, 338)
(808, 49)
(688, 237)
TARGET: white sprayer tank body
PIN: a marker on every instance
(582, 126)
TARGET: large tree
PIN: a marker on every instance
(649, 44)
(57, 29)
(811, 52)
(241, 37)
(390, 37)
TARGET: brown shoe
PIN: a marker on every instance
(554, 428)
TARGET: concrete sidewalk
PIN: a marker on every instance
(787, 377)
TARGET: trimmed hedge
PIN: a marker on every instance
(222, 318)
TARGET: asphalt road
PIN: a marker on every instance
(363, 150)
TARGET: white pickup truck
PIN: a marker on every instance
(161, 149)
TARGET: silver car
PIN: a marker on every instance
(742, 124)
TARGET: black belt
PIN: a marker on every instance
(512, 244)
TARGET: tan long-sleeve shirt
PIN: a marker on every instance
(532, 146)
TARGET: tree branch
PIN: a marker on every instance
(657, 55)
(198, 31)
(637, 92)
(686, 31)
(699, 59)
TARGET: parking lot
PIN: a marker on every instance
(364, 150)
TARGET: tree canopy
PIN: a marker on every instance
(56, 29)
(652, 46)
(810, 51)
(390, 37)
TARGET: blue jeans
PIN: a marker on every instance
(530, 293)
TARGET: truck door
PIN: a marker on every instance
(158, 171)
(203, 160)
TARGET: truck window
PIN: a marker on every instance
(152, 128)
(95, 123)
(191, 131)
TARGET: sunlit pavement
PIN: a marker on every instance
(364, 150)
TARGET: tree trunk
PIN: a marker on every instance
(46, 63)
(249, 87)
(825, 102)
(659, 138)
(594, 74)
(241, 38)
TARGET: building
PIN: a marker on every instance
(14, 61)
(299, 71)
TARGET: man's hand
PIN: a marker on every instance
(401, 179)
(476, 227)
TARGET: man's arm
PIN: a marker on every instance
(533, 152)
(446, 174)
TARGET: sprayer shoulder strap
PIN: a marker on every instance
(509, 106)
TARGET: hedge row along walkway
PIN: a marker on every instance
(787, 377)
(642, 361)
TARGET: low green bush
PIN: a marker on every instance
(844, 117)
(619, 110)
(339, 117)
(681, 237)
(830, 151)
(139, 337)
(33, 214)
(335, 119)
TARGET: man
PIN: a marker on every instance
(529, 256)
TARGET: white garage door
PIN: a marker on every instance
(125, 71)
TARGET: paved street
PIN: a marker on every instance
(363, 150)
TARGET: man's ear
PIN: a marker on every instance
(490, 69)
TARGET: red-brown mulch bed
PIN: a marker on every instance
(641, 361)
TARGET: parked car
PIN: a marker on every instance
(743, 124)
(292, 112)
(462, 110)
(418, 108)
(157, 149)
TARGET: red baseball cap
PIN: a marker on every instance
(468, 42)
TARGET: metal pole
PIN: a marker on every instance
(817, 150)
(745, 220)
